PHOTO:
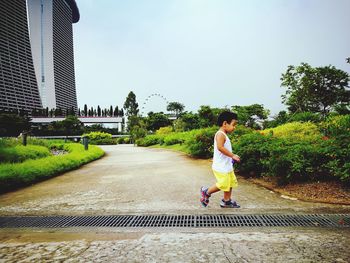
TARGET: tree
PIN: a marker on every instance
(317, 90)
(111, 111)
(98, 111)
(190, 120)
(175, 107)
(11, 124)
(206, 116)
(156, 120)
(116, 111)
(85, 110)
(130, 105)
(252, 115)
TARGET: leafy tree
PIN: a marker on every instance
(98, 111)
(318, 89)
(206, 116)
(130, 105)
(11, 124)
(175, 107)
(252, 115)
(156, 120)
(190, 121)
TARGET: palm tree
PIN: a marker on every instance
(175, 107)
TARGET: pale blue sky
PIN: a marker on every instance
(201, 52)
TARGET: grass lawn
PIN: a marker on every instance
(31, 168)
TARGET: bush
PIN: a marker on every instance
(150, 140)
(99, 138)
(305, 117)
(296, 131)
(175, 138)
(201, 144)
(253, 149)
(164, 130)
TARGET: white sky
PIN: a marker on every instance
(203, 52)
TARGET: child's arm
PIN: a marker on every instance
(220, 141)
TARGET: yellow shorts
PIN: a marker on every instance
(225, 181)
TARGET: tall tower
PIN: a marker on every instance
(49, 38)
(18, 85)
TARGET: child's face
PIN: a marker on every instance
(230, 127)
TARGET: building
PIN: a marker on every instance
(36, 54)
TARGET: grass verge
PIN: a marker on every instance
(15, 175)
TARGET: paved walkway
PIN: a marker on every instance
(130, 180)
(134, 180)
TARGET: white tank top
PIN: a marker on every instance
(221, 162)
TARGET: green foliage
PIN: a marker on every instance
(130, 105)
(201, 145)
(164, 130)
(207, 118)
(251, 115)
(99, 138)
(317, 89)
(154, 121)
(71, 125)
(123, 140)
(175, 107)
(150, 140)
(20, 153)
(188, 121)
(175, 138)
(12, 125)
(21, 174)
(305, 117)
(296, 131)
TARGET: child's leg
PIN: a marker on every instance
(213, 189)
(227, 195)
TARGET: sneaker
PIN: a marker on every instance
(229, 204)
(204, 196)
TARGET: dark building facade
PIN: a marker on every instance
(18, 85)
(36, 52)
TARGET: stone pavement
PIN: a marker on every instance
(131, 180)
(244, 245)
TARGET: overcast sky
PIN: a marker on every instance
(203, 52)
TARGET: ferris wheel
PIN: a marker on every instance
(150, 97)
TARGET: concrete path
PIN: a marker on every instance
(130, 180)
(135, 180)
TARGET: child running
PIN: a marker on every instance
(223, 162)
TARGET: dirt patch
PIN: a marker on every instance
(323, 192)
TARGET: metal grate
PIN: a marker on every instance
(186, 221)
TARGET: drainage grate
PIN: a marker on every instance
(186, 221)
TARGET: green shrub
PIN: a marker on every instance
(201, 145)
(16, 175)
(296, 131)
(99, 138)
(175, 138)
(164, 130)
(20, 153)
(150, 140)
(253, 149)
(305, 117)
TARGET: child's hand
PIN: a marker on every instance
(236, 158)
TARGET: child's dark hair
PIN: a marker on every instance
(227, 116)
